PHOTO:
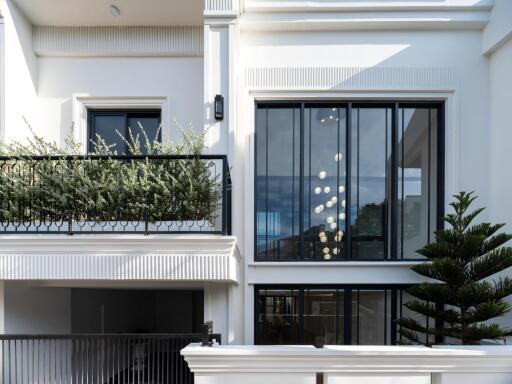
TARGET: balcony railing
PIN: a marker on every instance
(96, 359)
(115, 194)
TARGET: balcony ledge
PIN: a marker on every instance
(183, 257)
(347, 359)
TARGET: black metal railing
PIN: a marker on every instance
(96, 359)
(115, 194)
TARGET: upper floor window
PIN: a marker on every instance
(114, 127)
(337, 181)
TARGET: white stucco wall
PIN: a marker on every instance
(41, 90)
(36, 310)
(179, 80)
(20, 68)
(500, 132)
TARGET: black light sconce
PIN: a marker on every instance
(219, 107)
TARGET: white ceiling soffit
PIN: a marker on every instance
(99, 12)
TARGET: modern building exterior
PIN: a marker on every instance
(345, 127)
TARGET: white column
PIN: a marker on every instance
(216, 307)
(220, 74)
(2, 307)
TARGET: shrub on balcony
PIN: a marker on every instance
(38, 188)
(464, 259)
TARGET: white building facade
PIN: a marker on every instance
(372, 113)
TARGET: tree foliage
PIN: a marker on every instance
(463, 260)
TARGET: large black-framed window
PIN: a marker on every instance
(111, 124)
(329, 314)
(347, 180)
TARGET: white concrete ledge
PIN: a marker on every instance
(186, 257)
(333, 272)
(348, 359)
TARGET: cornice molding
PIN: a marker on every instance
(351, 78)
(364, 15)
(120, 257)
(117, 41)
(339, 359)
(255, 6)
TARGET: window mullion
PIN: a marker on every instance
(348, 182)
(394, 182)
(301, 184)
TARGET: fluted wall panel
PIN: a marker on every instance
(118, 41)
(351, 78)
(206, 258)
(116, 267)
(219, 5)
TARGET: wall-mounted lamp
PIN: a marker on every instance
(219, 107)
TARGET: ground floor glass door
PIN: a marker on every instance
(357, 315)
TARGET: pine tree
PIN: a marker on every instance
(463, 259)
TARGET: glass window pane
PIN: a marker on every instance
(370, 136)
(109, 127)
(277, 320)
(416, 152)
(278, 206)
(324, 178)
(369, 317)
(422, 320)
(261, 184)
(144, 123)
(320, 317)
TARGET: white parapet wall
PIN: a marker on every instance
(349, 364)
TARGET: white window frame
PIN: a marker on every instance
(81, 103)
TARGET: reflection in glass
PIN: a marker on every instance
(107, 127)
(302, 189)
(371, 317)
(417, 143)
(119, 127)
(277, 319)
(370, 159)
(422, 320)
(150, 126)
(277, 183)
(324, 183)
(321, 322)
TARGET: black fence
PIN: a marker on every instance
(96, 359)
(115, 194)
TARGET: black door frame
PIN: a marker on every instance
(348, 290)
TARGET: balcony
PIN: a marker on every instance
(134, 217)
(115, 194)
(97, 358)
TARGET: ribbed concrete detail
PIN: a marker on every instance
(202, 258)
(219, 5)
(352, 78)
(118, 41)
